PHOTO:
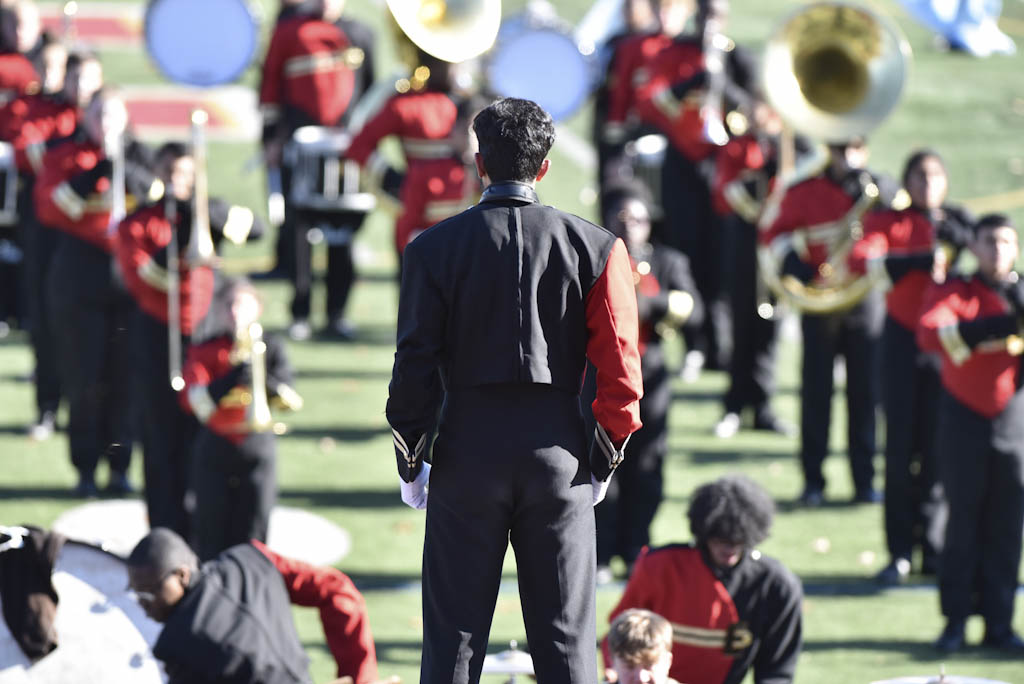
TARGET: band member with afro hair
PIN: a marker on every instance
(731, 607)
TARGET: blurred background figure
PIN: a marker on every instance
(641, 646)
(967, 25)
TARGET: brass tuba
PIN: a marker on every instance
(833, 71)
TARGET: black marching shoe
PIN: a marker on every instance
(86, 488)
(867, 496)
(119, 485)
(812, 497)
(952, 638)
(1004, 640)
(894, 574)
(766, 421)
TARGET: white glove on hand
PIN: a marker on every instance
(600, 488)
(414, 494)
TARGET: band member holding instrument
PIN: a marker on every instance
(230, 618)
(89, 309)
(30, 123)
(731, 608)
(824, 201)
(913, 246)
(667, 300)
(974, 322)
(234, 476)
(317, 67)
(144, 239)
(511, 351)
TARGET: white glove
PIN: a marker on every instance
(414, 494)
(600, 488)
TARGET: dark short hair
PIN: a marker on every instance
(917, 158)
(77, 58)
(515, 137)
(162, 550)
(622, 191)
(171, 151)
(991, 222)
(734, 509)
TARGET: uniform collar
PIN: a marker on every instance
(509, 190)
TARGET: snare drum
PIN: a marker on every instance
(322, 180)
(8, 186)
(201, 42)
(103, 635)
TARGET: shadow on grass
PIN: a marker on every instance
(711, 457)
(344, 374)
(390, 652)
(65, 494)
(341, 498)
(338, 434)
(15, 429)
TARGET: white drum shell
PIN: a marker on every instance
(322, 179)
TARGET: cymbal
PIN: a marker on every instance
(508, 662)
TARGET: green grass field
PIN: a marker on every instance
(337, 459)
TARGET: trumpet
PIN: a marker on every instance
(251, 348)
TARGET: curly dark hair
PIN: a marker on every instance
(514, 136)
(734, 509)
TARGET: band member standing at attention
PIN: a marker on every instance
(731, 608)
(913, 246)
(667, 300)
(506, 302)
(317, 67)
(854, 333)
(974, 322)
(29, 124)
(143, 240)
(433, 130)
(88, 307)
(234, 456)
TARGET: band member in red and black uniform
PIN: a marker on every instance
(432, 126)
(234, 463)
(89, 309)
(667, 300)
(501, 353)
(745, 174)
(30, 123)
(142, 250)
(317, 67)
(905, 243)
(731, 608)
(975, 322)
(18, 76)
(855, 333)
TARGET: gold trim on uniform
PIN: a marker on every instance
(201, 402)
(270, 112)
(740, 201)
(376, 166)
(953, 343)
(423, 148)
(287, 398)
(154, 275)
(238, 224)
(316, 63)
(68, 201)
(439, 211)
(35, 153)
(667, 103)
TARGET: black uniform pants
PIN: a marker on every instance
(752, 366)
(12, 264)
(235, 488)
(510, 464)
(40, 246)
(981, 467)
(854, 334)
(167, 430)
(338, 231)
(914, 506)
(90, 318)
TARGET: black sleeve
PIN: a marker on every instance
(279, 369)
(415, 392)
(794, 266)
(979, 330)
(392, 182)
(678, 276)
(84, 183)
(775, 661)
(239, 375)
(899, 265)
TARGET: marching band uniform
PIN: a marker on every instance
(233, 467)
(17, 77)
(724, 621)
(970, 322)
(854, 333)
(517, 360)
(903, 242)
(167, 431)
(313, 75)
(88, 306)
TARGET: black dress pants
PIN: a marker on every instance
(90, 319)
(856, 335)
(167, 430)
(40, 246)
(235, 487)
(510, 464)
(338, 230)
(981, 467)
(914, 506)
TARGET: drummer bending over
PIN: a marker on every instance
(230, 618)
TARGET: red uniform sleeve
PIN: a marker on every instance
(271, 85)
(384, 123)
(937, 330)
(613, 324)
(875, 243)
(196, 376)
(342, 612)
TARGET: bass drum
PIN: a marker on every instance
(201, 42)
(535, 57)
(103, 635)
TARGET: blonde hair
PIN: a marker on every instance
(639, 637)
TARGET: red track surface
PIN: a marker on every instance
(98, 29)
(170, 112)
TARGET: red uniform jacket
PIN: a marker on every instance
(342, 612)
(436, 183)
(733, 163)
(895, 233)
(626, 73)
(72, 194)
(29, 121)
(678, 117)
(17, 76)
(204, 363)
(305, 69)
(983, 378)
(142, 240)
